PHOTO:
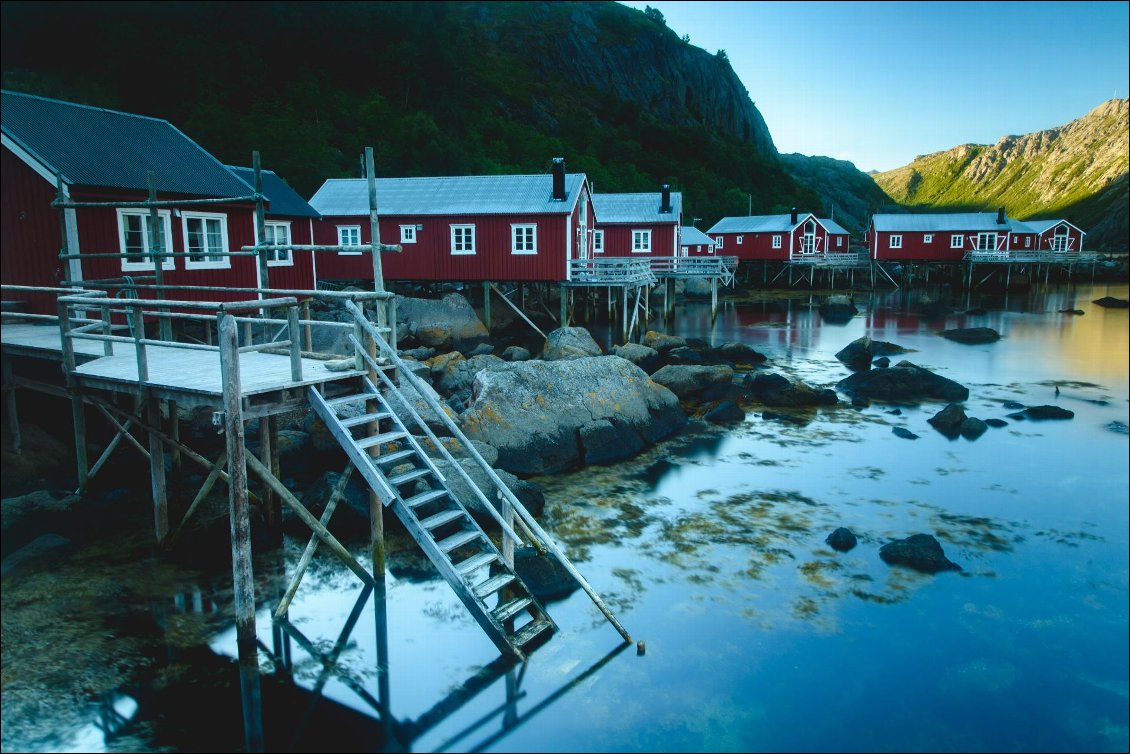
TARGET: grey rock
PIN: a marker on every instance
(904, 433)
(603, 442)
(842, 539)
(482, 349)
(1048, 412)
(838, 309)
(971, 335)
(948, 421)
(998, 423)
(857, 354)
(739, 354)
(725, 412)
(682, 355)
(527, 493)
(515, 353)
(645, 358)
(569, 343)
(922, 552)
(972, 428)
(423, 353)
(882, 362)
(687, 381)
(903, 381)
(443, 324)
(42, 546)
(1109, 302)
(662, 342)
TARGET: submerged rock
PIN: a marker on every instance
(882, 362)
(842, 539)
(543, 574)
(838, 309)
(971, 335)
(1048, 412)
(1109, 302)
(904, 433)
(919, 551)
(904, 381)
(739, 354)
(997, 423)
(776, 390)
(725, 412)
(948, 421)
(972, 428)
(857, 354)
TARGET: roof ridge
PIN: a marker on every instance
(87, 107)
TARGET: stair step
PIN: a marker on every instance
(368, 442)
(397, 456)
(529, 631)
(493, 584)
(365, 419)
(475, 561)
(511, 608)
(334, 402)
(408, 476)
(424, 497)
(439, 519)
(458, 540)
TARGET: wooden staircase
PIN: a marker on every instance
(406, 479)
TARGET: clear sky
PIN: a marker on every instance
(878, 83)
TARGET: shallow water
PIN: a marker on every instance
(710, 549)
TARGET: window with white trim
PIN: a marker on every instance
(523, 239)
(205, 240)
(986, 242)
(462, 239)
(718, 241)
(896, 242)
(407, 234)
(957, 241)
(598, 241)
(928, 238)
(134, 238)
(776, 242)
(740, 238)
(1027, 242)
(349, 235)
(641, 241)
(839, 241)
(278, 233)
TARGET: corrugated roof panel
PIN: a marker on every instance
(832, 226)
(694, 237)
(939, 222)
(91, 146)
(636, 208)
(755, 224)
(284, 201)
(452, 195)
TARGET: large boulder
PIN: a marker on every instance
(689, 381)
(414, 399)
(948, 421)
(857, 354)
(776, 390)
(443, 324)
(645, 358)
(569, 343)
(904, 381)
(1110, 302)
(838, 309)
(1048, 412)
(971, 335)
(738, 354)
(919, 551)
(535, 412)
(528, 494)
(453, 374)
(662, 342)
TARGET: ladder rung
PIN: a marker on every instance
(475, 561)
(424, 497)
(368, 442)
(511, 608)
(397, 456)
(334, 402)
(458, 540)
(439, 519)
(493, 584)
(365, 419)
(408, 476)
(529, 631)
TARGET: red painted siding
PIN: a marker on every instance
(300, 275)
(30, 233)
(618, 239)
(914, 246)
(1075, 244)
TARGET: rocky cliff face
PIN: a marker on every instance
(628, 58)
(1078, 169)
(848, 194)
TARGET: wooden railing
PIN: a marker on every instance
(611, 271)
(1019, 257)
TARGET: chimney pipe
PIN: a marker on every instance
(558, 179)
(665, 204)
(794, 216)
(1000, 216)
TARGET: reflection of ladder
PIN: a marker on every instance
(406, 479)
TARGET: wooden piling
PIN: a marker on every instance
(10, 407)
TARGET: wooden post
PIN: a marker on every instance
(376, 508)
(563, 321)
(174, 430)
(242, 576)
(260, 227)
(295, 343)
(270, 502)
(156, 251)
(486, 304)
(78, 412)
(10, 405)
(157, 469)
(309, 339)
(375, 234)
(713, 299)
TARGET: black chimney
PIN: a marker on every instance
(1000, 216)
(794, 217)
(665, 204)
(558, 179)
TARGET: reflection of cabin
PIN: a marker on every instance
(976, 236)
(637, 225)
(695, 243)
(790, 237)
(288, 220)
(100, 156)
(465, 228)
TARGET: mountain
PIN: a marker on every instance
(1077, 171)
(849, 195)
(437, 88)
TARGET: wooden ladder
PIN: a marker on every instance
(407, 481)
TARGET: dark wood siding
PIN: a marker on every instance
(30, 233)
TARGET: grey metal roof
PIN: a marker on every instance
(284, 201)
(91, 146)
(1019, 227)
(455, 195)
(832, 226)
(766, 224)
(956, 221)
(635, 208)
(1040, 226)
(692, 236)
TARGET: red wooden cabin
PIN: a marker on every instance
(778, 237)
(694, 243)
(938, 237)
(638, 225)
(288, 220)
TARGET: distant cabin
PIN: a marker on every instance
(460, 228)
(951, 237)
(778, 237)
(694, 243)
(104, 155)
(637, 225)
(289, 219)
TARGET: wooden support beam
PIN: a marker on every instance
(10, 407)
(210, 481)
(486, 304)
(157, 471)
(376, 508)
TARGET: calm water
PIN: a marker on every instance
(710, 548)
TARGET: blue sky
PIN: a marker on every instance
(878, 83)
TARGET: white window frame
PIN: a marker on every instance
(839, 241)
(718, 242)
(524, 238)
(166, 223)
(223, 262)
(896, 241)
(283, 257)
(464, 246)
(776, 241)
(1027, 242)
(740, 239)
(598, 242)
(408, 233)
(928, 238)
(992, 242)
(341, 240)
(957, 241)
(641, 241)
(1060, 242)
